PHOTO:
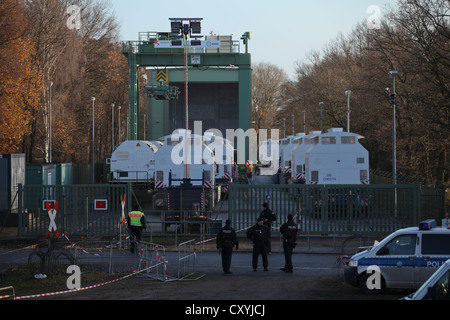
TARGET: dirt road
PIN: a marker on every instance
(309, 281)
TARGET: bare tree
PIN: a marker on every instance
(268, 82)
(413, 39)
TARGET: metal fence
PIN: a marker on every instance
(324, 210)
(337, 209)
(77, 212)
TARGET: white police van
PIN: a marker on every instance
(404, 259)
(437, 287)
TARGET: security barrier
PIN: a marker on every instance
(83, 209)
(186, 261)
(324, 209)
(331, 209)
(152, 259)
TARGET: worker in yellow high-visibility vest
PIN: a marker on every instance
(136, 223)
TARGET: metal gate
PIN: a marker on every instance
(329, 209)
(82, 209)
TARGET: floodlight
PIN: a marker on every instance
(177, 43)
(196, 27)
(175, 27)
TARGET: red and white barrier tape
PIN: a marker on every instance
(84, 288)
(207, 240)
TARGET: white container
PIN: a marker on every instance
(133, 160)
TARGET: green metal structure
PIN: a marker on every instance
(337, 209)
(144, 53)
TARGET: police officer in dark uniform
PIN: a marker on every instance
(226, 239)
(259, 234)
(268, 216)
(289, 232)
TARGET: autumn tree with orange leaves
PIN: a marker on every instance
(19, 82)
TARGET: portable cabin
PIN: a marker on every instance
(338, 158)
(133, 160)
(301, 145)
(170, 161)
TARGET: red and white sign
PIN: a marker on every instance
(207, 184)
(48, 203)
(101, 204)
(122, 203)
(52, 208)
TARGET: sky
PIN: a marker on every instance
(284, 32)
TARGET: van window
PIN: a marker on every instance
(436, 244)
(348, 140)
(402, 245)
(329, 140)
(314, 140)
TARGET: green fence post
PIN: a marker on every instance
(418, 211)
(19, 210)
(324, 209)
(129, 200)
(86, 202)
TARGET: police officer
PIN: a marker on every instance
(289, 232)
(136, 223)
(259, 234)
(268, 216)
(226, 239)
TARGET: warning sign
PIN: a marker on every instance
(162, 76)
(101, 204)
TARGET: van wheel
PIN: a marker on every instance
(363, 281)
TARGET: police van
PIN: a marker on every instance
(404, 259)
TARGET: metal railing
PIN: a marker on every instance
(147, 39)
(76, 213)
(333, 209)
(186, 261)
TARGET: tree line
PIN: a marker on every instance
(60, 53)
(54, 56)
(413, 39)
